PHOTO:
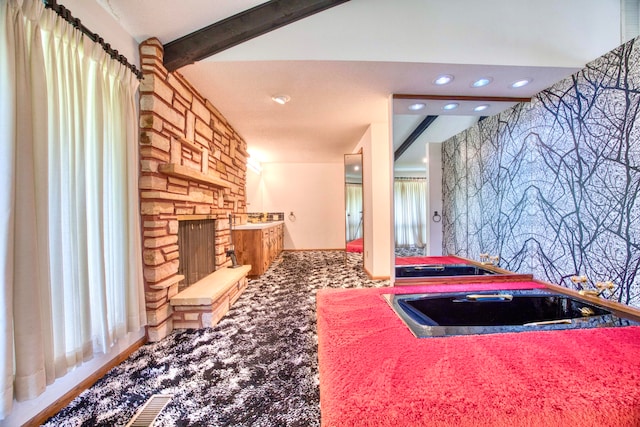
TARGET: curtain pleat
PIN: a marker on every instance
(70, 252)
(410, 211)
(354, 211)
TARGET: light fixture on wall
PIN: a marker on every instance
(281, 99)
(254, 165)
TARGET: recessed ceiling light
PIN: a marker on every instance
(417, 106)
(520, 83)
(481, 107)
(483, 81)
(425, 160)
(281, 99)
(443, 79)
(451, 106)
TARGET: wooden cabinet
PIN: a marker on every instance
(258, 245)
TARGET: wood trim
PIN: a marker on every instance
(457, 280)
(461, 98)
(619, 309)
(64, 400)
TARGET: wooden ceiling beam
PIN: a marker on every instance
(240, 28)
(424, 124)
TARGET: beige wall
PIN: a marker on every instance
(314, 192)
(376, 187)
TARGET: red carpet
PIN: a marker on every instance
(373, 372)
(355, 245)
(437, 260)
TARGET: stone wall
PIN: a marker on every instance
(193, 166)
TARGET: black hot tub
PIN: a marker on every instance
(440, 270)
(470, 313)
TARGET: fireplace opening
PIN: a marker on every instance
(196, 248)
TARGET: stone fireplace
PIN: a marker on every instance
(192, 168)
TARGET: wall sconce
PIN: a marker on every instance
(436, 217)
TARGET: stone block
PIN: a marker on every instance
(156, 208)
(152, 102)
(152, 182)
(170, 248)
(187, 325)
(203, 210)
(156, 224)
(149, 165)
(156, 140)
(159, 315)
(158, 273)
(172, 255)
(178, 189)
(190, 126)
(153, 257)
(158, 242)
(149, 121)
(156, 333)
(192, 316)
(149, 152)
(172, 291)
(203, 129)
(185, 210)
(173, 227)
(154, 232)
(155, 296)
(179, 87)
(200, 110)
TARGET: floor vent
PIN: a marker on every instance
(148, 413)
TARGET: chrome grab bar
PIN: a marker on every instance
(429, 267)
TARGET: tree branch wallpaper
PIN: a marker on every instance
(552, 186)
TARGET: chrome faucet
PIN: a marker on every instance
(486, 259)
(600, 286)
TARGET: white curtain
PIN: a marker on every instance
(410, 211)
(70, 253)
(354, 211)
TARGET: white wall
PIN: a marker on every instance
(376, 188)
(98, 20)
(254, 191)
(314, 192)
(500, 32)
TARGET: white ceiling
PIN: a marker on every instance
(341, 66)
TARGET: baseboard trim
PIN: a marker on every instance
(372, 277)
(65, 399)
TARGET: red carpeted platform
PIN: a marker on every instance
(355, 245)
(373, 372)
(430, 260)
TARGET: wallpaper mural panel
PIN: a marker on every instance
(552, 186)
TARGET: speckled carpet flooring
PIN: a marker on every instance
(257, 367)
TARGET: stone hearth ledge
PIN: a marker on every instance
(205, 302)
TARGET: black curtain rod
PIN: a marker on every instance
(66, 15)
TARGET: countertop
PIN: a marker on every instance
(257, 225)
